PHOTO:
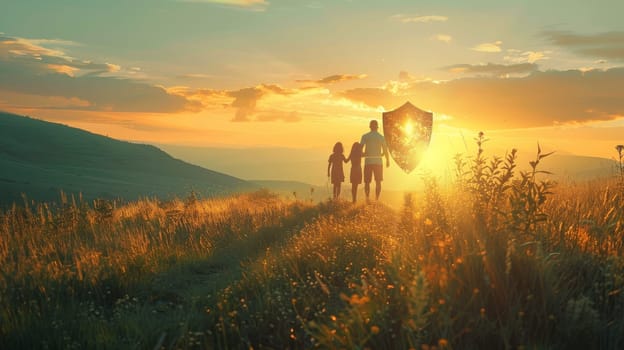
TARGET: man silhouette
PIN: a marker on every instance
(375, 148)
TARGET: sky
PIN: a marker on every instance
(305, 74)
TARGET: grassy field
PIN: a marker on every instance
(506, 260)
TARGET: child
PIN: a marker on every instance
(334, 168)
(355, 156)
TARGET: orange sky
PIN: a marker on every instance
(233, 73)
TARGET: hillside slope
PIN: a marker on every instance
(40, 159)
(575, 167)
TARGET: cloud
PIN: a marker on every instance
(28, 68)
(539, 99)
(208, 99)
(255, 5)
(443, 38)
(518, 56)
(492, 69)
(334, 79)
(276, 89)
(29, 47)
(112, 67)
(263, 103)
(195, 76)
(53, 42)
(489, 47)
(246, 100)
(22, 101)
(608, 45)
(420, 19)
(64, 69)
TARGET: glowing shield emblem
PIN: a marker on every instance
(407, 130)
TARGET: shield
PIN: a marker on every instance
(407, 131)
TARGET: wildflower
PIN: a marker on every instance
(443, 343)
(374, 329)
(356, 300)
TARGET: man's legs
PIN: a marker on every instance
(368, 176)
(378, 172)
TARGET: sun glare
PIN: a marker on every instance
(436, 160)
(408, 129)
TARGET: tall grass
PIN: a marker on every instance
(505, 260)
(70, 271)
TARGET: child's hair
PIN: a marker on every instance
(338, 148)
(356, 150)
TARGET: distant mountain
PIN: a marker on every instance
(259, 163)
(308, 166)
(40, 159)
(574, 167)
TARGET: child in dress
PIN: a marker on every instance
(334, 168)
(355, 156)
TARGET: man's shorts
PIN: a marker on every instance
(373, 169)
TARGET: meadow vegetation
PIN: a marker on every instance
(504, 260)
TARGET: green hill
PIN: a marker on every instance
(40, 159)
